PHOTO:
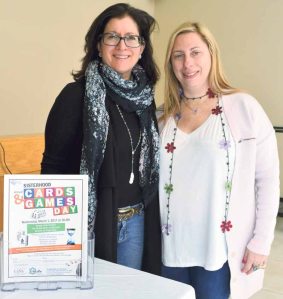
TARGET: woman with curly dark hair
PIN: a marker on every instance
(104, 125)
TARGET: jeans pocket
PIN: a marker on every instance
(122, 231)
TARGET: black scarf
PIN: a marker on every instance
(133, 95)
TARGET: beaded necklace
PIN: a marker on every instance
(224, 144)
(209, 93)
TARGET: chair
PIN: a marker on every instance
(19, 155)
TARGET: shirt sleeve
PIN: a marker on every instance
(266, 183)
(63, 132)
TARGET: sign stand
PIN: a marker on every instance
(45, 243)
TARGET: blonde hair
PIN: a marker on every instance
(216, 80)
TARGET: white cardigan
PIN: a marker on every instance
(254, 197)
(255, 189)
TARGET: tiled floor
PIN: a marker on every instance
(273, 283)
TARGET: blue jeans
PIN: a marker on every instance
(207, 284)
(130, 240)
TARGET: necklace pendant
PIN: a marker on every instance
(132, 177)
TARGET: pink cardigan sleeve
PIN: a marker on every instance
(255, 187)
(266, 182)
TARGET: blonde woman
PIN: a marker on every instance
(219, 174)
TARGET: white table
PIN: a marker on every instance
(117, 282)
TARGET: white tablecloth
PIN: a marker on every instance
(117, 282)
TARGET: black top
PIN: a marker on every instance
(62, 155)
(127, 194)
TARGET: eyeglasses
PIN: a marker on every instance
(131, 41)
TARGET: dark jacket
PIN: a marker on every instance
(62, 155)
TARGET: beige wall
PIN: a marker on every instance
(41, 43)
(249, 34)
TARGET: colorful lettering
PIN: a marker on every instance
(61, 199)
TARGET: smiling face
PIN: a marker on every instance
(191, 63)
(121, 58)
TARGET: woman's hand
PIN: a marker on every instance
(253, 261)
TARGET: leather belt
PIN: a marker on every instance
(126, 213)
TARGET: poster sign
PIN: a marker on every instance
(45, 228)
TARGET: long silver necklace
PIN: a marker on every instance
(195, 110)
(133, 150)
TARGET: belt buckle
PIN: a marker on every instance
(124, 211)
(125, 214)
(131, 212)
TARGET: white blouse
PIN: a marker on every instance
(197, 202)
